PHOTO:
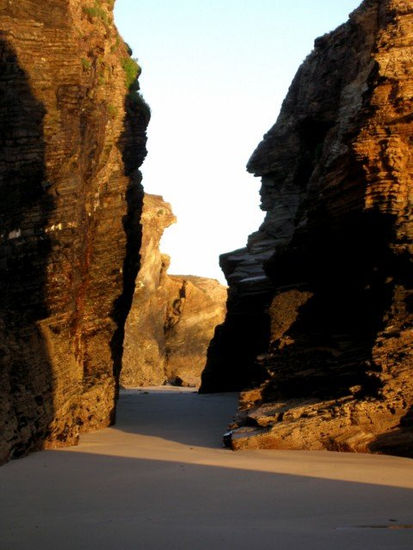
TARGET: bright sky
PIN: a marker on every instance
(215, 73)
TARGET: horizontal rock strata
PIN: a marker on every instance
(329, 273)
(72, 138)
(172, 318)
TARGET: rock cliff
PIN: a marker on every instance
(72, 139)
(172, 318)
(321, 300)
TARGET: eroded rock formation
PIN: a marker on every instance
(196, 306)
(72, 139)
(329, 274)
(173, 318)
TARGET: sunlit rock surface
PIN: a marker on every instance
(72, 139)
(196, 306)
(173, 318)
(328, 277)
(144, 348)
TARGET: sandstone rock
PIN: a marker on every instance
(336, 247)
(196, 306)
(144, 346)
(72, 139)
(172, 318)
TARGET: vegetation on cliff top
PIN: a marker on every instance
(132, 71)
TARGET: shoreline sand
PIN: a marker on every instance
(160, 479)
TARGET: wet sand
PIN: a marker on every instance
(160, 479)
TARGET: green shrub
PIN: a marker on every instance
(86, 64)
(96, 11)
(132, 71)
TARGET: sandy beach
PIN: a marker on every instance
(161, 479)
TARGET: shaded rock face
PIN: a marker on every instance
(72, 139)
(173, 318)
(329, 273)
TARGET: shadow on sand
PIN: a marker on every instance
(87, 501)
(186, 417)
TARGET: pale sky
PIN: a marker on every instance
(215, 73)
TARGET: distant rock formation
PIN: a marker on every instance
(321, 302)
(173, 318)
(72, 138)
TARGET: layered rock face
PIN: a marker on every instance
(329, 274)
(173, 318)
(72, 138)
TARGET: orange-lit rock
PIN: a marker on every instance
(72, 139)
(329, 274)
(173, 318)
